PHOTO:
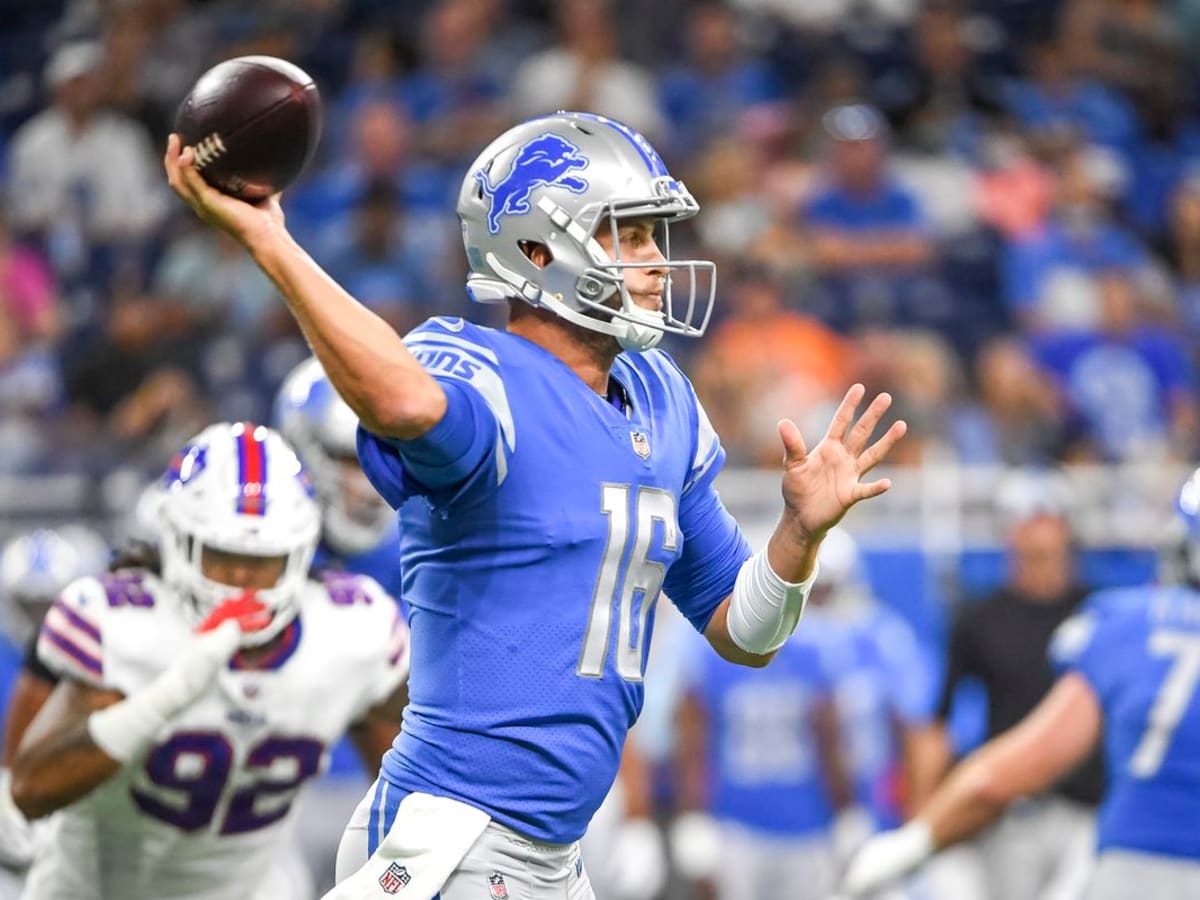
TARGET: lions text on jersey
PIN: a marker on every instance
(532, 578)
(203, 813)
(1140, 651)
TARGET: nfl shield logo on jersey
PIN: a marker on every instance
(496, 886)
(641, 443)
(394, 879)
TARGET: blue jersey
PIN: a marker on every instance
(1140, 650)
(764, 768)
(532, 574)
(884, 683)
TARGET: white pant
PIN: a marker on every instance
(500, 864)
(1124, 875)
(1042, 849)
(760, 866)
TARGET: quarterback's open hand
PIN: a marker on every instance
(820, 485)
(245, 221)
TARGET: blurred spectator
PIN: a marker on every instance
(1053, 276)
(1131, 386)
(1016, 420)
(862, 220)
(1185, 253)
(453, 99)
(155, 50)
(28, 294)
(922, 373)
(1001, 641)
(865, 233)
(216, 286)
(727, 181)
(1057, 101)
(80, 174)
(717, 83)
(937, 97)
(584, 72)
(1014, 190)
(1129, 44)
(383, 261)
(764, 362)
(131, 385)
(381, 148)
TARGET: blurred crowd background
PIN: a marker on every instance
(990, 208)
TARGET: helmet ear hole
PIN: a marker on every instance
(537, 253)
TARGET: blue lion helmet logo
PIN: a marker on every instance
(545, 161)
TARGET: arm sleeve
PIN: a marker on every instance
(714, 547)
(468, 451)
(437, 462)
(71, 642)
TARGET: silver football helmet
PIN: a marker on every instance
(554, 181)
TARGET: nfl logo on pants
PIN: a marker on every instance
(394, 879)
(496, 886)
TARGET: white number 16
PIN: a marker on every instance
(641, 574)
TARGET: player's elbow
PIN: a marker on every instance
(987, 787)
(29, 792)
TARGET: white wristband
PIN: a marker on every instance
(764, 609)
(124, 729)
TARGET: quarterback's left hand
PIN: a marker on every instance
(820, 485)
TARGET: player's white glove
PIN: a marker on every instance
(886, 857)
(851, 829)
(16, 834)
(641, 851)
(124, 729)
(695, 845)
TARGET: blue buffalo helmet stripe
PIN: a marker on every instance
(252, 470)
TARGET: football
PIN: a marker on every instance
(253, 123)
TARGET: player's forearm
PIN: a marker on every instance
(927, 756)
(59, 769)
(363, 355)
(792, 552)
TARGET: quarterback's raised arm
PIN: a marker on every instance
(363, 355)
(819, 487)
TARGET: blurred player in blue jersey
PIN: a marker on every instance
(1131, 665)
(551, 480)
(759, 753)
(358, 529)
(884, 681)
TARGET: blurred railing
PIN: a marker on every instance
(940, 508)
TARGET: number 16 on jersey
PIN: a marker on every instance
(626, 573)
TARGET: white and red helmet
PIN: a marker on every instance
(239, 488)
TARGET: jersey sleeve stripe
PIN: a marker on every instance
(71, 649)
(78, 621)
(89, 640)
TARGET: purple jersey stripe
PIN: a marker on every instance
(78, 621)
(73, 650)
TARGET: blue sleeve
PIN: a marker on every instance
(1022, 276)
(1095, 641)
(909, 671)
(438, 462)
(714, 549)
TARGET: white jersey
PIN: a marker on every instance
(202, 814)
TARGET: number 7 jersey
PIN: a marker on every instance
(1140, 651)
(533, 582)
(202, 813)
